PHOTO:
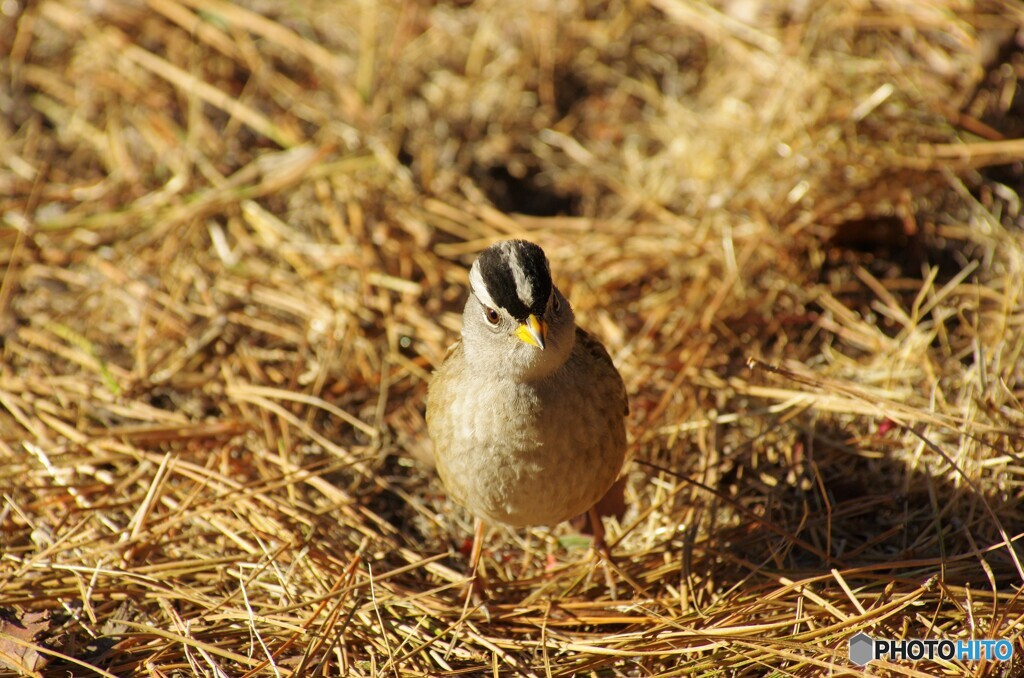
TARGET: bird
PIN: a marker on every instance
(526, 412)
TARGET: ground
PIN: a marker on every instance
(235, 241)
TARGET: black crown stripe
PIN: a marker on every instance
(501, 285)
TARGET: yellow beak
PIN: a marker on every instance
(532, 332)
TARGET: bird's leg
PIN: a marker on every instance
(597, 527)
(477, 589)
(477, 586)
(601, 550)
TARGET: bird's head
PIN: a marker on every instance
(515, 319)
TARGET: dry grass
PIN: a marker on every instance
(234, 245)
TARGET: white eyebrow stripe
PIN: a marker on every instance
(476, 283)
(524, 288)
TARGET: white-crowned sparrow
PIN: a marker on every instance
(527, 412)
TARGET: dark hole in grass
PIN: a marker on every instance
(526, 194)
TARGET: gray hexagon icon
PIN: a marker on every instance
(862, 649)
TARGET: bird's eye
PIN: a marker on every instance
(491, 315)
(556, 305)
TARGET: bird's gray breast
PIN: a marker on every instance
(535, 453)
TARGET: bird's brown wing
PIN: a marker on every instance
(453, 350)
(439, 394)
(445, 372)
(600, 354)
(613, 503)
